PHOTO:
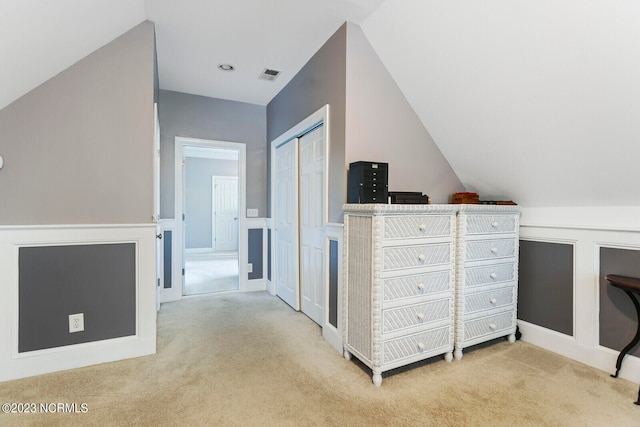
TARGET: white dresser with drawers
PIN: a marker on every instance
(399, 284)
(486, 274)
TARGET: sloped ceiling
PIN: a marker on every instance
(39, 39)
(535, 101)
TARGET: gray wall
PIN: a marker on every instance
(78, 149)
(255, 253)
(194, 116)
(321, 81)
(618, 318)
(381, 126)
(198, 193)
(545, 287)
(56, 281)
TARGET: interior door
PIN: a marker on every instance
(311, 146)
(286, 220)
(156, 205)
(225, 213)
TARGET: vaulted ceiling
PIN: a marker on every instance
(537, 101)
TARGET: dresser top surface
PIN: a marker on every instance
(382, 209)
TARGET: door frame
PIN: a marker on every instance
(213, 206)
(243, 254)
(330, 333)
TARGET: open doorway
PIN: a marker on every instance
(211, 200)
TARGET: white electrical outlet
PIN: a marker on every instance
(252, 213)
(250, 268)
(76, 322)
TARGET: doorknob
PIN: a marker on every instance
(159, 236)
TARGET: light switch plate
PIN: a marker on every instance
(252, 213)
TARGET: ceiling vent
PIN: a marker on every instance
(269, 74)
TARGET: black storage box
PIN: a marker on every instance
(408, 198)
(368, 182)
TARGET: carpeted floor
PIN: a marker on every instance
(249, 360)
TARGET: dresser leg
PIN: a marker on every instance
(377, 379)
(512, 338)
(458, 354)
(448, 356)
(347, 355)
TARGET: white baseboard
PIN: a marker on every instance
(256, 285)
(597, 357)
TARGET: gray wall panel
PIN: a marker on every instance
(194, 116)
(618, 318)
(333, 282)
(255, 253)
(56, 281)
(79, 148)
(545, 289)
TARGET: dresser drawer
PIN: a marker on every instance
(399, 257)
(416, 344)
(487, 224)
(415, 315)
(488, 325)
(488, 300)
(405, 227)
(416, 285)
(490, 249)
(489, 274)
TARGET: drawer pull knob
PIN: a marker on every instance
(421, 286)
(421, 257)
(494, 250)
(420, 316)
(493, 275)
(421, 346)
(492, 300)
(422, 227)
(492, 326)
(494, 224)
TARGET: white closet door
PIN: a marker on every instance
(312, 223)
(286, 218)
(225, 213)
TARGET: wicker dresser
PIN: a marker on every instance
(399, 284)
(486, 274)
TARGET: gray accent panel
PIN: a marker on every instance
(333, 283)
(618, 318)
(255, 253)
(78, 148)
(168, 259)
(56, 281)
(198, 193)
(545, 288)
(321, 81)
(195, 116)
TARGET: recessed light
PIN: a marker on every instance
(226, 67)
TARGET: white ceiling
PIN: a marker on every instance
(537, 101)
(40, 38)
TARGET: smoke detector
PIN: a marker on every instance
(269, 74)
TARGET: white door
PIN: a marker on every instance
(311, 146)
(156, 205)
(225, 213)
(286, 219)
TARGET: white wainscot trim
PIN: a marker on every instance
(174, 293)
(14, 365)
(584, 345)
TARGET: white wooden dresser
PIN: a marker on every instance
(486, 274)
(399, 284)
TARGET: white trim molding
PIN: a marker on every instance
(333, 334)
(15, 365)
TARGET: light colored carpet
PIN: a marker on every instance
(249, 360)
